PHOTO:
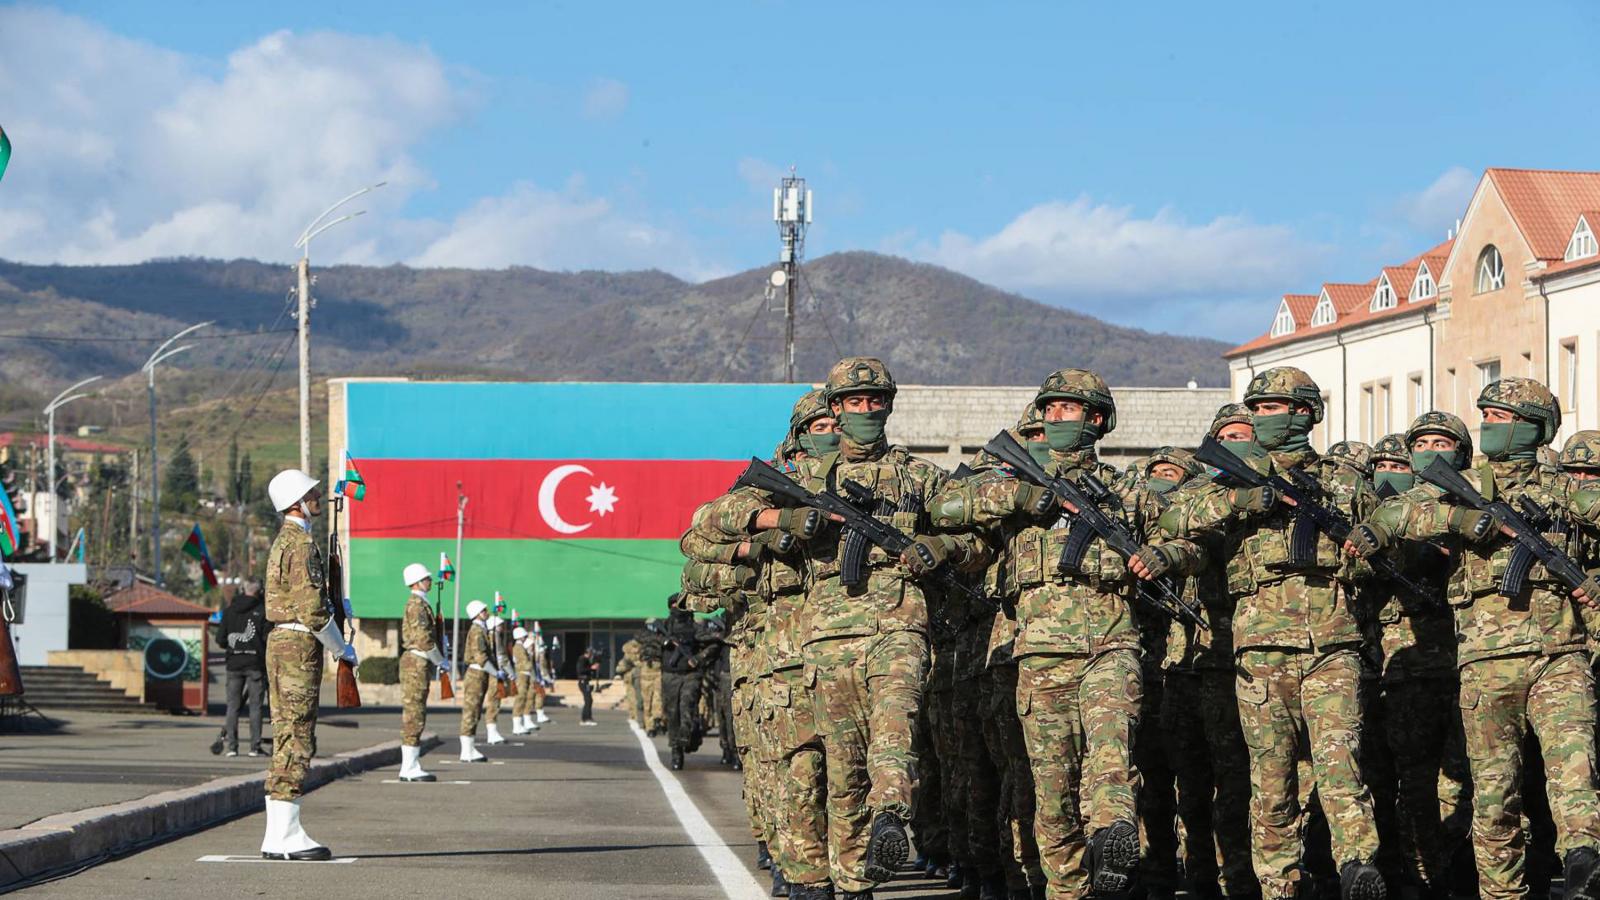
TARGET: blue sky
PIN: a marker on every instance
(1171, 166)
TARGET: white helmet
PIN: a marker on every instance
(415, 573)
(519, 632)
(492, 622)
(287, 488)
(476, 608)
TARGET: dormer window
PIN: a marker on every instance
(1324, 314)
(1283, 322)
(1491, 270)
(1383, 298)
(1582, 245)
(1423, 287)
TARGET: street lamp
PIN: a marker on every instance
(62, 399)
(303, 270)
(161, 355)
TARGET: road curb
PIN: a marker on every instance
(90, 836)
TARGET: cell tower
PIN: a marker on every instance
(791, 209)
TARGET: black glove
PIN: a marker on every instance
(1255, 499)
(1158, 560)
(804, 523)
(1036, 501)
(1369, 539)
(928, 553)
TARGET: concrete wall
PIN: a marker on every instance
(47, 614)
(123, 668)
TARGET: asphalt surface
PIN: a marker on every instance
(568, 812)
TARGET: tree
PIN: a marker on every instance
(230, 491)
(244, 484)
(180, 488)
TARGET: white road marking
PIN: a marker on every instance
(736, 880)
(398, 781)
(258, 859)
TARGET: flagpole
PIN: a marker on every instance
(455, 621)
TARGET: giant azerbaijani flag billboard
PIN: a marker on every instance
(576, 492)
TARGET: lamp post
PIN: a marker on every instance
(161, 355)
(303, 317)
(62, 399)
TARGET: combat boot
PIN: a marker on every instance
(857, 895)
(1582, 874)
(1113, 858)
(780, 885)
(887, 848)
(993, 888)
(952, 876)
(729, 759)
(1362, 881)
(677, 759)
(823, 891)
(971, 884)
(763, 856)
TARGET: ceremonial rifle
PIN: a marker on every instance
(442, 642)
(347, 695)
(1090, 522)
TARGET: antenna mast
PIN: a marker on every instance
(791, 209)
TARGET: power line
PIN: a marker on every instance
(805, 279)
(57, 339)
(761, 304)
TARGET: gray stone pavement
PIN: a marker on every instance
(571, 812)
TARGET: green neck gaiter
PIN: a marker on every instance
(1160, 485)
(1399, 482)
(1517, 440)
(819, 444)
(1283, 431)
(1421, 459)
(864, 428)
(1075, 435)
(1039, 450)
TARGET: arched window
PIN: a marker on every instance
(1423, 288)
(1491, 270)
(1582, 245)
(1283, 322)
(1383, 298)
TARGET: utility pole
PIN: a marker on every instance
(455, 618)
(161, 355)
(303, 281)
(133, 513)
(62, 399)
(791, 209)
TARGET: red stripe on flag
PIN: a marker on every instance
(541, 499)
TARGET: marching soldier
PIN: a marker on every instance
(478, 654)
(543, 677)
(1522, 658)
(628, 671)
(650, 649)
(522, 661)
(419, 656)
(494, 627)
(303, 626)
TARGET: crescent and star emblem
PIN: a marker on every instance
(602, 499)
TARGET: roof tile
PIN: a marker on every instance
(1546, 204)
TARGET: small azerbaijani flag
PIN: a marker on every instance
(351, 484)
(5, 152)
(447, 572)
(499, 603)
(195, 547)
(10, 528)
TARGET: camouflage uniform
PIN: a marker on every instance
(650, 680)
(1080, 677)
(1296, 642)
(522, 661)
(417, 637)
(1523, 661)
(628, 671)
(295, 576)
(478, 656)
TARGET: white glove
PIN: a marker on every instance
(331, 638)
(437, 658)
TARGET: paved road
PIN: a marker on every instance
(571, 813)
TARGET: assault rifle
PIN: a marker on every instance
(347, 695)
(1531, 543)
(1311, 516)
(893, 541)
(441, 640)
(1091, 522)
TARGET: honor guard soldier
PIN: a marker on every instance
(419, 656)
(522, 660)
(475, 681)
(491, 697)
(302, 625)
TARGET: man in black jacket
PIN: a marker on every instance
(244, 636)
(682, 658)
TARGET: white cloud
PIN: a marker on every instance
(1161, 272)
(1437, 206)
(606, 98)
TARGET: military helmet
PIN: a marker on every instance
(1286, 383)
(1183, 459)
(1230, 414)
(1444, 423)
(1032, 420)
(1081, 385)
(858, 374)
(1356, 453)
(1392, 448)
(1581, 451)
(1528, 399)
(811, 406)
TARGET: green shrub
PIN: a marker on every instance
(379, 670)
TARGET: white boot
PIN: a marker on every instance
(540, 717)
(517, 727)
(469, 750)
(411, 767)
(285, 838)
(530, 724)
(494, 735)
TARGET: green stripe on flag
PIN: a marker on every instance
(5, 152)
(564, 579)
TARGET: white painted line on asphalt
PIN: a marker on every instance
(736, 880)
(398, 781)
(299, 862)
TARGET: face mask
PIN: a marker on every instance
(1421, 459)
(1282, 431)
(1065, 436)
(1509, 440)
(1160, 485)
(1039, 450)
(1242, 449)
(819, 444)
(1399, 482)
(864, 428)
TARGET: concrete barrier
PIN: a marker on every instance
(91, 836)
